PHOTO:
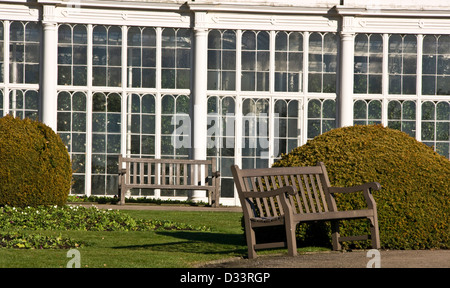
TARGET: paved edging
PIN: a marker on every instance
(354, 259)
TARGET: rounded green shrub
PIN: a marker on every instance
(35, 167)
(414, 202)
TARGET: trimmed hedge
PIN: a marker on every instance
(35, 167)
(414, 203)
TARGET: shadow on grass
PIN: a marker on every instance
(197, 242)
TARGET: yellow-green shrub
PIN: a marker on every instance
(414, 203)
(35, 167)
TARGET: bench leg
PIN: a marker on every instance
(291, 239)
(335, 235)
(251, 241)
(374, 233)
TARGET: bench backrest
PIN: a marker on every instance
(310, 184)
(168, 173)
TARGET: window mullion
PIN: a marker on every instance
(88, 176)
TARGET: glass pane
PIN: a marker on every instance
(79, 34)
(64, 34)
(99, 35)
(229, 40)
(248, 40)
(375, 109)
(148, 104)
(409, 110)
(428, 111)
(149, 37)
(428, 85)
(64, 101)
(376, 43)
(360, 109)
(281, 41)
(429, 44)
(443, 111)
(295, 41)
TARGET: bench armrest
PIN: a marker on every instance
(285, 204)
(357, 188)
(365, 188)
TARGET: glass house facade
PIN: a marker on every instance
(201, 79)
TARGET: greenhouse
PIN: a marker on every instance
(243, 83)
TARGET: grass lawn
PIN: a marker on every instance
(150, 249)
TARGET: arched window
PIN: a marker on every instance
(402, 116)
(71, 127)
(436, 126)
(141, 125)
(255, 132)
(106, 142)
(321, 116)
(286, 126)
(367, 112)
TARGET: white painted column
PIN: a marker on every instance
(345, 97)
(49, 70)
(199, 97)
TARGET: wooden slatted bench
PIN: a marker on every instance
(171, 174)
(287, 196)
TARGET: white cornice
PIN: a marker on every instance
(382, 12)
(172, 6)
(242, 8)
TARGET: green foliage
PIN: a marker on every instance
(82, 219)
(21, 240)
(35, 167)
(413, 205)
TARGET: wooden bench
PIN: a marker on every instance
(290, 195)
(171, 174)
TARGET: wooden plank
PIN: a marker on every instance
(170, 174)
(163, 173)
(296, 196)
(311, 201)
(314, 189)
(273, 187)
(254, 188)
(302, 190)
(178, 177)
(134, 172)
(141, 176)
(185, 173)
(322, 195)
(266, 205)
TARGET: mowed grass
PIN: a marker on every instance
(146, 249)
(151, 249)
